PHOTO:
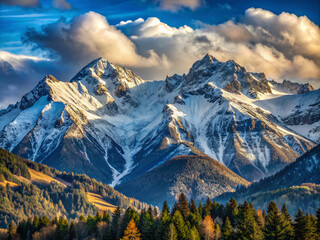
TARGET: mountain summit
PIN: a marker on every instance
(109, 123)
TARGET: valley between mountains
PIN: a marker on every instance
(204, 133)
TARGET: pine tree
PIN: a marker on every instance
(181, 226)
(98, 217)
(232, 211)
(275, 223)
(11, 230)
(192, 206)
(146, 226)
(227, 230)
(55, 220)
(248, 227)
(115, 223)
(183, 206)
(164, 228)
(310, 227)
(72, 231)
(35, 223)
(92, 224)
(175, 208)
(285, 213)
(106, 217)
(299, 225)
(63, 229)
(194, 216)
(165, 208)
(44, 221)
(172, 233)
(200, 209)
(194, 233)
(207, 228)
(207, 208)
(131, 232)
(288, 228)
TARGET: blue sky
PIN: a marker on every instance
(276, 37)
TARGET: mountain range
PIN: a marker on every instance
(112, 125)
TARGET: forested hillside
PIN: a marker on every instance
(185, 221)
(28, 189)
(298, 184)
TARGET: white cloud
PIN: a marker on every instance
(152, 27)
(282, 46)
(86, 37)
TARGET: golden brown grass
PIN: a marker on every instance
(41, 178)
(12, 184)
(97, 200)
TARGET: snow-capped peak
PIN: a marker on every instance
(228, 75)
(100, 70)
(205, 62)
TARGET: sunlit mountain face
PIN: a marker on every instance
(200, 97)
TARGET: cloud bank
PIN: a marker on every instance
(86, 37)
(283, 46)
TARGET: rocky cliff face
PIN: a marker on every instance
(110, 124)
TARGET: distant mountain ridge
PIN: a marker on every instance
(111, 124)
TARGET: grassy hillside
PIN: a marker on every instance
(100, 203)
(198, 177)
(28, 189)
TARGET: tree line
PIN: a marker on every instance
(184, 221)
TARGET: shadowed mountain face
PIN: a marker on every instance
(109, 123)
(199, 177)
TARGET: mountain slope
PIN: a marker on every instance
(109, 123)
(35, 189)
(298, 182)
(198, 177)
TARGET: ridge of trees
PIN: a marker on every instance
(185, 221)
